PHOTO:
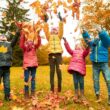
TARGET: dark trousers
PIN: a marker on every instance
(78, 80)
(55, 61)
(5, 74)
(29, 71)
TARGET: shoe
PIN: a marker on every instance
(98, 99)
(26, 94)
(59, 89)
(7, 97)
(32, 93)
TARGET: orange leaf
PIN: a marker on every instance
(35, 4)
(69, 1)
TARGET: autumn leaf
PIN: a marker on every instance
(1, 86)
(1, 103)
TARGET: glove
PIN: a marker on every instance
(59, 16)
(46, 17)
(64, 39)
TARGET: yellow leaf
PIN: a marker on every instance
(3, 50)
(13, 33)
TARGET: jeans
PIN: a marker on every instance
(29, 71)
(5, 74)
(55, 60)
(78, 80)
(97, 68)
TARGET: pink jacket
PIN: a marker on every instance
(29, 52)
(77, 62)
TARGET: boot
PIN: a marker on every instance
(82, 93)
(83, 98)
(59, 88)
(98, 100)
(109, 100)
(75, 98)
(52, 89)
(26, 94)
(32, 93)
(7, 97)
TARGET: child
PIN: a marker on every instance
(77, 68)
(6, 62)
(99, 57)
(29, 44)
(55, 52)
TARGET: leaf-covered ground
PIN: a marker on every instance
(45, 100)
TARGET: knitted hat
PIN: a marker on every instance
(3, 37)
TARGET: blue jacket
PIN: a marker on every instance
(99, 46)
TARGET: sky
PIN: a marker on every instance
(68, 27)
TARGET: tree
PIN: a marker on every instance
(96, 12)
(13, 12)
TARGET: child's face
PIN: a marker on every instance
(54, 31)
(78, 47)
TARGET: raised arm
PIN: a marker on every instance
(46, 31)
(86, 51)
(103, 35)
(69, 50)
(22, 41)
(15, 39)
(38, 42)
(60, 33)
(87, 38)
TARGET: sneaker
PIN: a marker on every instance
(7, 97)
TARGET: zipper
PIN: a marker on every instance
(54, 42)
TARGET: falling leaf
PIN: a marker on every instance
(1, 103)
(13, 33)
(17, 108)
(69, 1)
(1, 86)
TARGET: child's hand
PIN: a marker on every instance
(64, 39)
(59, 16)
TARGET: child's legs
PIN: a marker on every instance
(81, 81)
(33, 74)
(96, 74)
(6, 80)
(58, 70)
(106, 74)
(26, 79)
(52, 70)
(75, 78)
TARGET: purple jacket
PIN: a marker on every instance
(77, 62)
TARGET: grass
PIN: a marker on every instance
(42, 84)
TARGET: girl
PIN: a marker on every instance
(29, 44)
(77, 68)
